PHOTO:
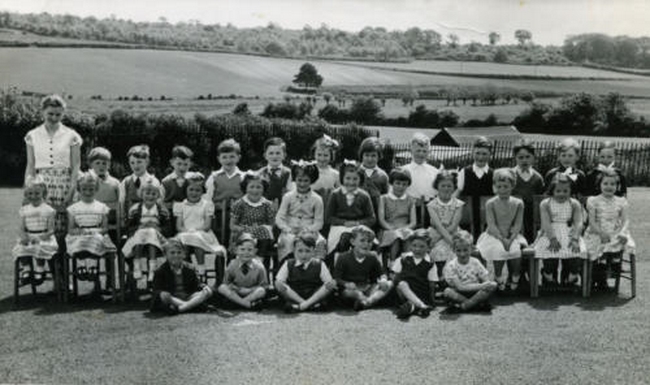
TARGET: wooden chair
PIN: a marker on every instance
(534, 263)
(115, 266)
(54, 276)
(627, 271)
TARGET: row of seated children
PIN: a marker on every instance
(305, 283)
(348, 205)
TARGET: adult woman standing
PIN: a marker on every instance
(53, 152)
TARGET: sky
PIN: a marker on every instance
(550, 21)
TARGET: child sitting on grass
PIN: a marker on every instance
(416, 277)
(176, 287)
(358, 272)
(469, 285)
(304, 281)
(245, 279)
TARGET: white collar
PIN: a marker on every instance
(276, 168)
(521, 170)
(152, 211)
(235, 172)
(254, 204)
(299, 194)
(305, 264)
(347, 192)
(602, 167)
(391, 195)
(410, 254)
(186, 202)
(414, 164)
(141, 177)
(441, 203)
(478, 169)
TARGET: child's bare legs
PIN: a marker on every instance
(514, 270)
(152, 253)
(242, 296)
(303, 304)
(477, 298)
(571, 270)
(405, 291)
(395, 249)
(376, 294)
(549, 270)
(199, 254)
(138, 256)
(498, 274)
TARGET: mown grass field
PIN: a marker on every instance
(555, 339)
(122, 72)
(484, 68)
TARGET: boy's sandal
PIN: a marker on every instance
(256, 305)
(405, 310)
(424, 312)
(38, 278)
(289, 308)
(26, 277)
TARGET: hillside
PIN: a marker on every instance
(126, 72)
(370, 43)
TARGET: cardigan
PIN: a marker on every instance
(338, 211)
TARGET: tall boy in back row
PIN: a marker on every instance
(475, 180)
(422, 174)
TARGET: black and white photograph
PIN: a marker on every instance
(324, 192)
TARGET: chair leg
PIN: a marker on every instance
(586, 278)
(32, 284)
(75, 283)
(120, 275)
(534, 278)
(633, 275)
(64, 280)
(55, 271)
(16, 280)
(617, 279)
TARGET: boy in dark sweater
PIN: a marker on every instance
(304, 281)
(358, 272)
(176, 287)
(606, 158)
(278, 175)
(416, 276)
(475, 180)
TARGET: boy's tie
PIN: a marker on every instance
(244, 268)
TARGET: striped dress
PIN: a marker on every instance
(35, 219)
(89, 217)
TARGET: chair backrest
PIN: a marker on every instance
(225, 220)
(483, 218)
(466, 217)
(537, 219)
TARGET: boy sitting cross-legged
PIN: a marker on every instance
(304, 281)
(416, 276)
(176, 287)
(469, 285)
(245, 277)
(358, 272)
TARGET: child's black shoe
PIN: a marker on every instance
(424, 312)
(405, 311)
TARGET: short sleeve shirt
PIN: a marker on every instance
(54, 151)
(88, 215)
(471, 272)
(432, 275)
(36, 217)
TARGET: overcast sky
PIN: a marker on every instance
(550, 21)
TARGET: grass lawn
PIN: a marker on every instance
(556, 339)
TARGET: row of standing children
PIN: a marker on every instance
(352, 199)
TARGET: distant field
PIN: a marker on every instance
(479, 68)
(123, 72)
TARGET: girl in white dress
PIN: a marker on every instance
(445, 212)
(561, 226)
(502, 241)
(145, 221)
(87, 238)
(608, 237)
(36, 235)
(328, 178)
(194, 222)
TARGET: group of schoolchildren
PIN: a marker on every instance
(318, 231)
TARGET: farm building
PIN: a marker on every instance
(458, 136)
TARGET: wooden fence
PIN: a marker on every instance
(632, 158)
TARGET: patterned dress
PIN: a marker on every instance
(256, 218)
(561, 216)
(89, 217)
(442, 250)
(608, 216)
(52, 163)
(398, 213)
(300, 212)
(35, 219)
(193, 217)
(328, 181)
(149, 235)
